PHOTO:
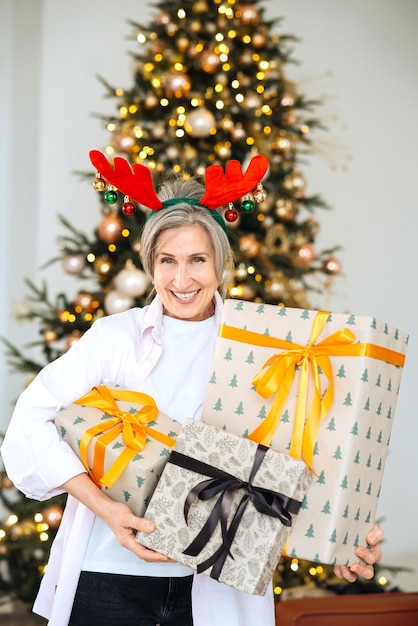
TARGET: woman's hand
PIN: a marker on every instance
(124, 525)
(370, 556)
(118, 516)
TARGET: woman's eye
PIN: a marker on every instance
(198, 259)
(166, 260)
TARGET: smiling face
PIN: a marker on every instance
(184, 273)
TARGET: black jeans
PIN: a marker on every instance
(120, 600)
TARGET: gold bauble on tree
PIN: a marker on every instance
(209, 61)
(241, 272)
(172, 152)
(246, 57)
(288, 99)
(285, 209)
(296, 183)
(159, 129)
(122, 141)
(182, 43)
(156, 47)
(247, 292)
(151, 101)
(249, 246)
(110, 228)
(281, 144)
(332, 265)
(195, 26)
(304, 255)
(162, 18)
(102, 266)
(238, 132)
(248, 14)
(258, 40)
(85, 301)
(177, 84)
(201, 6)
(190, 153)
(244, 79)
(253, 100)
(50, 335)
(223, 150)
(242, 292)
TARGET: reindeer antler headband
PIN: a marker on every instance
(222, 188)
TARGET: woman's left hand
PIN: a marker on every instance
(370, 556)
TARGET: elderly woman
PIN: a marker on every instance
(98, 574)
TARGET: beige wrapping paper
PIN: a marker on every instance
(137, 442)
(255, 539)
(350, 446)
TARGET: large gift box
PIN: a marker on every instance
(224, 506)
(123, 440)
(320, 386)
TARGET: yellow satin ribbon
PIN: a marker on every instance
(278, 373)
(133, 427)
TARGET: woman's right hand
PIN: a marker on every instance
(118, 516)
(124, 525)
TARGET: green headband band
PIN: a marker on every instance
(193, 202)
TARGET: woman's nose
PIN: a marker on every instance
(182, 278)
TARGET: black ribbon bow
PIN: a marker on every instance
(265, 501)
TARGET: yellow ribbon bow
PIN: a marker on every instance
(133, 427)
(278, 373)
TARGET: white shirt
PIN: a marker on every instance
(178, 385)
(122, 349)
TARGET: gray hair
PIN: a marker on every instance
(183, 214)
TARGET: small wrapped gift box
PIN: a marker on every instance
(123, 441)
(320, 386)
(224, 506)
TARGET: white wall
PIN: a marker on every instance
(361, 54)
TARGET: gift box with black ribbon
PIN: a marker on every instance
(319, 386)
(225, 505)
(123, 440)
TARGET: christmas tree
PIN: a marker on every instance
(209, 85)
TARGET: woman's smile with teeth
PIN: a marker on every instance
(185, 296)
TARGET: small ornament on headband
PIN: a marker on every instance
(99, 183)
(231, 214)
(110, 195)
(260, 193)
(128, 207)
(247, 204)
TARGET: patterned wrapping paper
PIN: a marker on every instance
(350, 446)
(102, 424)
(248, 558)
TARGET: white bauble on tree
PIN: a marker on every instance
(131, 281)
(200, 122)
(116, 302)
(74, 262)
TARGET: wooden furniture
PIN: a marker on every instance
(377, 609)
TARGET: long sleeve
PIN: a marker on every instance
(35, 457)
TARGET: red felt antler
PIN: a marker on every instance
(135, 182)
(222, 189)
